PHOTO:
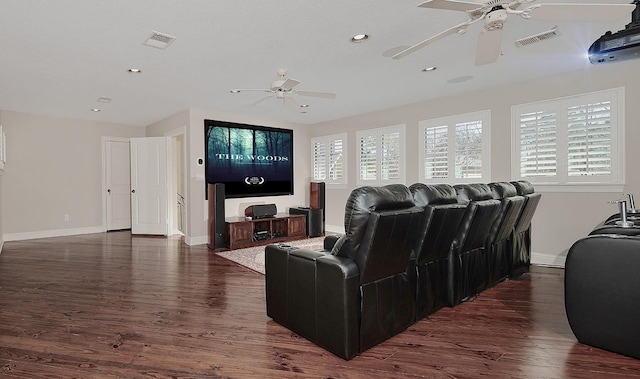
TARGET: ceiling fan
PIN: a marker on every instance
(494, 13)
(282, 89)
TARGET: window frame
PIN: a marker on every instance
(484, 117)
(329, 140)
(562, 181)
(377, 134)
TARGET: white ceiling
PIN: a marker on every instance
(58, 57)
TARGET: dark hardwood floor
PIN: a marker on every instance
(115, 306)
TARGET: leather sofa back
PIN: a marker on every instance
(441, 218)
(433, 194)
(511, 205)
(526, 189)
(481, 211)
(381, 226)
(523, 187)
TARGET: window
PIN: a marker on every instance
(570, 141)
(328, 159)
(381, 155)
(456, 148)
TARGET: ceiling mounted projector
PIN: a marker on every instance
(619, 46)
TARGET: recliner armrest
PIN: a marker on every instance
(316, 295)
(330, 241)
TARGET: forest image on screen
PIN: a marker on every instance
(249, 160)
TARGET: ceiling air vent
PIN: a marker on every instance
(159, 40)
(538, 37)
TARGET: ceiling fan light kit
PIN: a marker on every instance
(283, 89)
(496, 12)
(495, 19)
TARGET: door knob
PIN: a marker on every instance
(133, 191)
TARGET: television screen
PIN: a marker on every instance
(250, 160)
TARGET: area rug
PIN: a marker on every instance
(253, 257)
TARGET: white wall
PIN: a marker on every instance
(561, 218)
(197, 207)
(1, 233)
(1, 191)
(54, 167)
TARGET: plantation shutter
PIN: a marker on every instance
(538, 144)
(576, 140)
(436, 154)
(589, 139)
(319, 161)
(336, 164)
(328, 158)
(456, 148)
(381, 155)
(469, 150)
(390, 156)
(368, 158)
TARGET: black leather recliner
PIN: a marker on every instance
(441, 219)
(358, 294)
(468, 273)
(602, 296)
(499, 244)
(521, 258)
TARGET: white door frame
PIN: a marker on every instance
(172, 179)
(104, 176)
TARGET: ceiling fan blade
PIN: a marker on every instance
(255, 103)
(325, 95)
(236, 90)
(291, 103)
(579, 12)
(289, 84)
(460, 28)
(488, 46)
(453, 5)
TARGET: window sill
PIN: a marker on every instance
(579, 187)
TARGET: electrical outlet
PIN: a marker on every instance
(66, 217)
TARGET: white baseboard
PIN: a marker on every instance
(334, 229)
(52, 233)
(548, 260)
(202, 240)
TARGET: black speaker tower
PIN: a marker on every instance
(317, 200)
(216, 216)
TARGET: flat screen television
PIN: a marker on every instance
(250, 160)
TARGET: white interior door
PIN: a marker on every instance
(118, 184)
(149, 186)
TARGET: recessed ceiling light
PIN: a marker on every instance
(427, 69)
(135, 70)
(304, 106)
(235, 91)
(95, 109)
(359, 38)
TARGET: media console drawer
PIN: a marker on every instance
(241, 232)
